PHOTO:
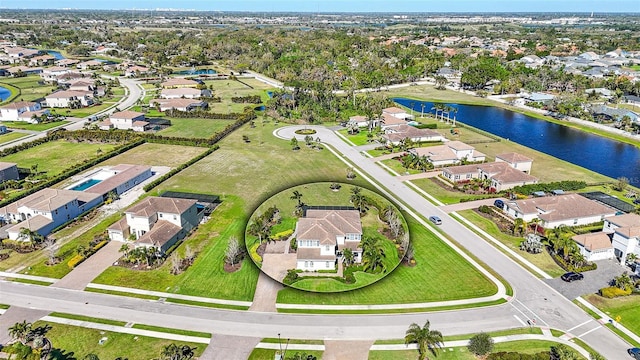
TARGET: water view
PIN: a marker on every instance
(4, 93)
(196, 72)
(56, 54)
(596, 153)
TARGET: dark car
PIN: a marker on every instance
(499, 204)
(572, 276)
(635, 353)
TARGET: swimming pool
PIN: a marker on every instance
(85, 185)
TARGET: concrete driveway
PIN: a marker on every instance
(592, 282)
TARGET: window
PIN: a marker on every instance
(175, 217)
(328, 264)
(310, 263)
(160, 215)
(457, 177)
(575, 221)
(327, 248)
(306, 264)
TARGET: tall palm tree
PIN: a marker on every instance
(373, 256)
(297, 196)
(517, 225)
(20, 331)
(427, 339)
(565, 244)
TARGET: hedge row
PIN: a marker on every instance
(503, 355)
(426, 126)
(569, 185)
(249, 99)
(613, 292)
(563, 264)
(73, 171)
(176, 170)
(202, 114)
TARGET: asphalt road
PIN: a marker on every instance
(533, 298)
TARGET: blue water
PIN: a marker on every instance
(270, 94)
(85, 185)
(260, 108)
(196, 72)
(602, 155)
(55, 54)
(4, 93)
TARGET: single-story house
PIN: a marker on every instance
(605, 93)
(136, 70)
(179, 83)
(41, 60)
(503, 176)
(516, 161)
(451, 152)
(157, 222)
(89, 64)
(181, 93)
(178, 104)
(541, 98)
(614, 114)
(67, 62)
(390, 121)
(67, 99)
(397, 113)
(116, 179)
(322, 235)
(594, 246)
(553, 211)
(363, 121)
(24, 70)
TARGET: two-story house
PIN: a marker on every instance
(125, 120)
(322, 235)
(68, 99)
(21, 110)
(624, 231)
(156, 222)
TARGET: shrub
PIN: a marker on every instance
(426, 126)
(613, 292)
(99, 245)
(292, 276)
(294, 244)
(485, 209)
(570, 267)
(253, 252)
(503, 355)
(283, 235)
(75, 261)
(569, 185)
(481, 344)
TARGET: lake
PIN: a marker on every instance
(55, 54)
(196, 72)
(4, 93)
(602, 155)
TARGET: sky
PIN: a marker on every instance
(490, 6)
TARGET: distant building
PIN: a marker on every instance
(68, 99)
(125, 120)
(451, 152)
(179, 83)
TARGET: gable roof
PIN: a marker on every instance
(161, 232)
(65, 94)
(624, 220)
(19, 105)
(326, 225)
(594, 241)
(407, 131)
(505, 174)
(126, 115)
(561, 207)
(154, 204)
(48, 199)
(513, 158)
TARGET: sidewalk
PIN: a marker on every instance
(607, 319)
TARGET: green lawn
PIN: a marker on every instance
(434, 188)
(266, 354)
(29, 87)
(440, 274)
(84, 111)
(360, 138)
(628, 308)
(11, 136)
(156, 155)
(55, 156)
(542, 260)
(78, 342)
(194, 128)
(32, 127)
(396, 165)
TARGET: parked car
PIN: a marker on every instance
(572, 276)
(635, 353)
(436, 220)
(499, 204)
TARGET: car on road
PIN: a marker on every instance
(572, 276)
(635, 353)
(499, 204)
(436, 220)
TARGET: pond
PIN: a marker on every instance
(4, 93)
(196, 72)
(596, 153)
(56, 54)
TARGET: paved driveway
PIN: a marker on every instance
(592, 282)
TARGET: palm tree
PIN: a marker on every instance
(373, 256)
(426, 339)
(124, 249)
(564, 243)
(359, 200)
(20, 331)
(347, 256)
(296, 196)
(31, 236)
(91, 357)
(517, 225)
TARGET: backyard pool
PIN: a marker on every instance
(196, 72)
(85, 185)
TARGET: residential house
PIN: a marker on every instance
(390, 121)
(68, 99)
(589, 56)
(51, 74)
(67, 62)
(451, 152)
(602, 92)
(594, 246)
(516, 161)
(540, 98)
(398, 133)
(89, 65)
(16, 70)
(553, 211)
(21, 110)
(178, 104)
(322, 235)
(42, 60)
(625, 235)
(46, 210)
(179, 83)
(157, 222)
(503, 176)
(397, 113)
(607, 113)
(8, 171)
(136, 71)
(116, 179)
(181, 93)
(125, 120)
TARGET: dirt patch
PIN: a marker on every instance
(232, 268)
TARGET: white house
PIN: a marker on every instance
(125, 120)
(117, 179)
(594, 246)
(398, 133)
(553, 211)
(179, 83)
(625, 232)
(67, 98)
(178, 104)
(516, 161)
(13, 111)
(452, 152)
(156, 222)
(323, 234)
(47, 209)
(397, 113)
(501, 174)
(181, 93)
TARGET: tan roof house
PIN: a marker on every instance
(517, 161)
(398, 133)
(594, 246)
(179, 83)
(125, 120)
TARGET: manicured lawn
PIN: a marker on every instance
(440, 274)
(11, 136)
(627, 307)
(542, 260)
(433, 188)
(360, 138)
(29, 87)
(55, 156)
(194, 128)
(156, 155)
(78, 342)
(32, 127)
(266, 354)
(227, 107)
(396, 165)
(85, 111)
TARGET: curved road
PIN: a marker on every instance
(533, 298)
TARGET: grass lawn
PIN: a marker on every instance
(542, 260)
(149, 154)
(266, 354)
(194, 128)
(83, 112)
(432, 279)
(11, 136)
(23, 125)
(226, 107)
(627, 307)
(55, 156)
(396, 165)
(29, 87)
(360, 138)
(445, 196)
(78, 342)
